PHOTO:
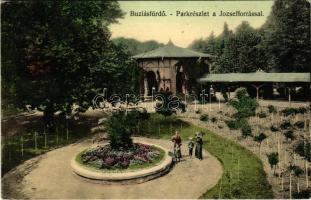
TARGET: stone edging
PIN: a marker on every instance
(138, 176)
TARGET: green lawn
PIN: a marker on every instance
(243, 176)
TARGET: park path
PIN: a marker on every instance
(50, 176)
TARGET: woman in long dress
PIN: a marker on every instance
(199, 146)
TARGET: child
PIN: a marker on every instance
(177, 153)
(190, 146)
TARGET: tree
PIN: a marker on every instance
(259, 138)
(134, 47)
(297, 172)
(273, 159)
(57, 54)
(287, 36)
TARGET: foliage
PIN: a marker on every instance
(289, 135)
(213, 119)
(245, 105)
(104, 157)
(120, 126)
(169, 105)
(133, 46)
(303, 194)
(204, 117)
(303, 149)
(272, 109)
(273, 159)
(262, 115)
(296, 170)
(287, 50)
(300, 124)
(259, 138)
(294, 111)
(58, 53)
(246, 130)
(285, 125)
(274, 128)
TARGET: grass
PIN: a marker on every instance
(134, 167)
(243, 175)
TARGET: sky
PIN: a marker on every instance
(183, 30)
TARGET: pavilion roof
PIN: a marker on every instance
(171, 51)
(258, 76)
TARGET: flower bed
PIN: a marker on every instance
(105, 158)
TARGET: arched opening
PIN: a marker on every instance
(152, 82)
(180, 80)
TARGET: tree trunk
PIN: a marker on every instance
(48, 118)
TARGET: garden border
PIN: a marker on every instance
(127, 177)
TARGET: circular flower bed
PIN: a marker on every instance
(106, 158)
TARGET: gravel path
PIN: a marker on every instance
(50, 176)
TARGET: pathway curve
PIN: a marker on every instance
(50, 176)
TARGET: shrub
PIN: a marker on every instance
(303, 149)
(204, 117)
(245, 105)
(294, 111)
(300, 124)
(198, 111)
(259, 138)
(296, 170)
(120, 126)
(236, 124)
(246, 131)
(272, 109)
(289, 135)
(274, 128)
(285, 125)
(303, 194)
(262, 115)
(213, 119)
(273, 159)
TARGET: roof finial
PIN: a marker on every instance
(170, 42)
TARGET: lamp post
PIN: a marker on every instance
(211, 90)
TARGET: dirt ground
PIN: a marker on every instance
(50, 176)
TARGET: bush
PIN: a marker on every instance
(272, 109)
(300, 124)
(236, 124)
(245, 105)
(213, 119)
(198, 111)
(273, 159)
(285, 125)
(289, 135)
(259, 138)
(274, 128)
(204, 118)
(303, 194)
(294, 111)
(120, 126)
(304, 149)
(246, 131)
(262, 115)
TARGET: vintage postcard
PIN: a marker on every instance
(155, 99)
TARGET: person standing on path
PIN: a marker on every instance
(177, 145)
(199, 146)
(190, 146)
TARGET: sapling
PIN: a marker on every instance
(273, 160)
(36, 144)
(297, 172)
(259, 138)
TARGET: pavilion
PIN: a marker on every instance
(172, 68)
(257, 79)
